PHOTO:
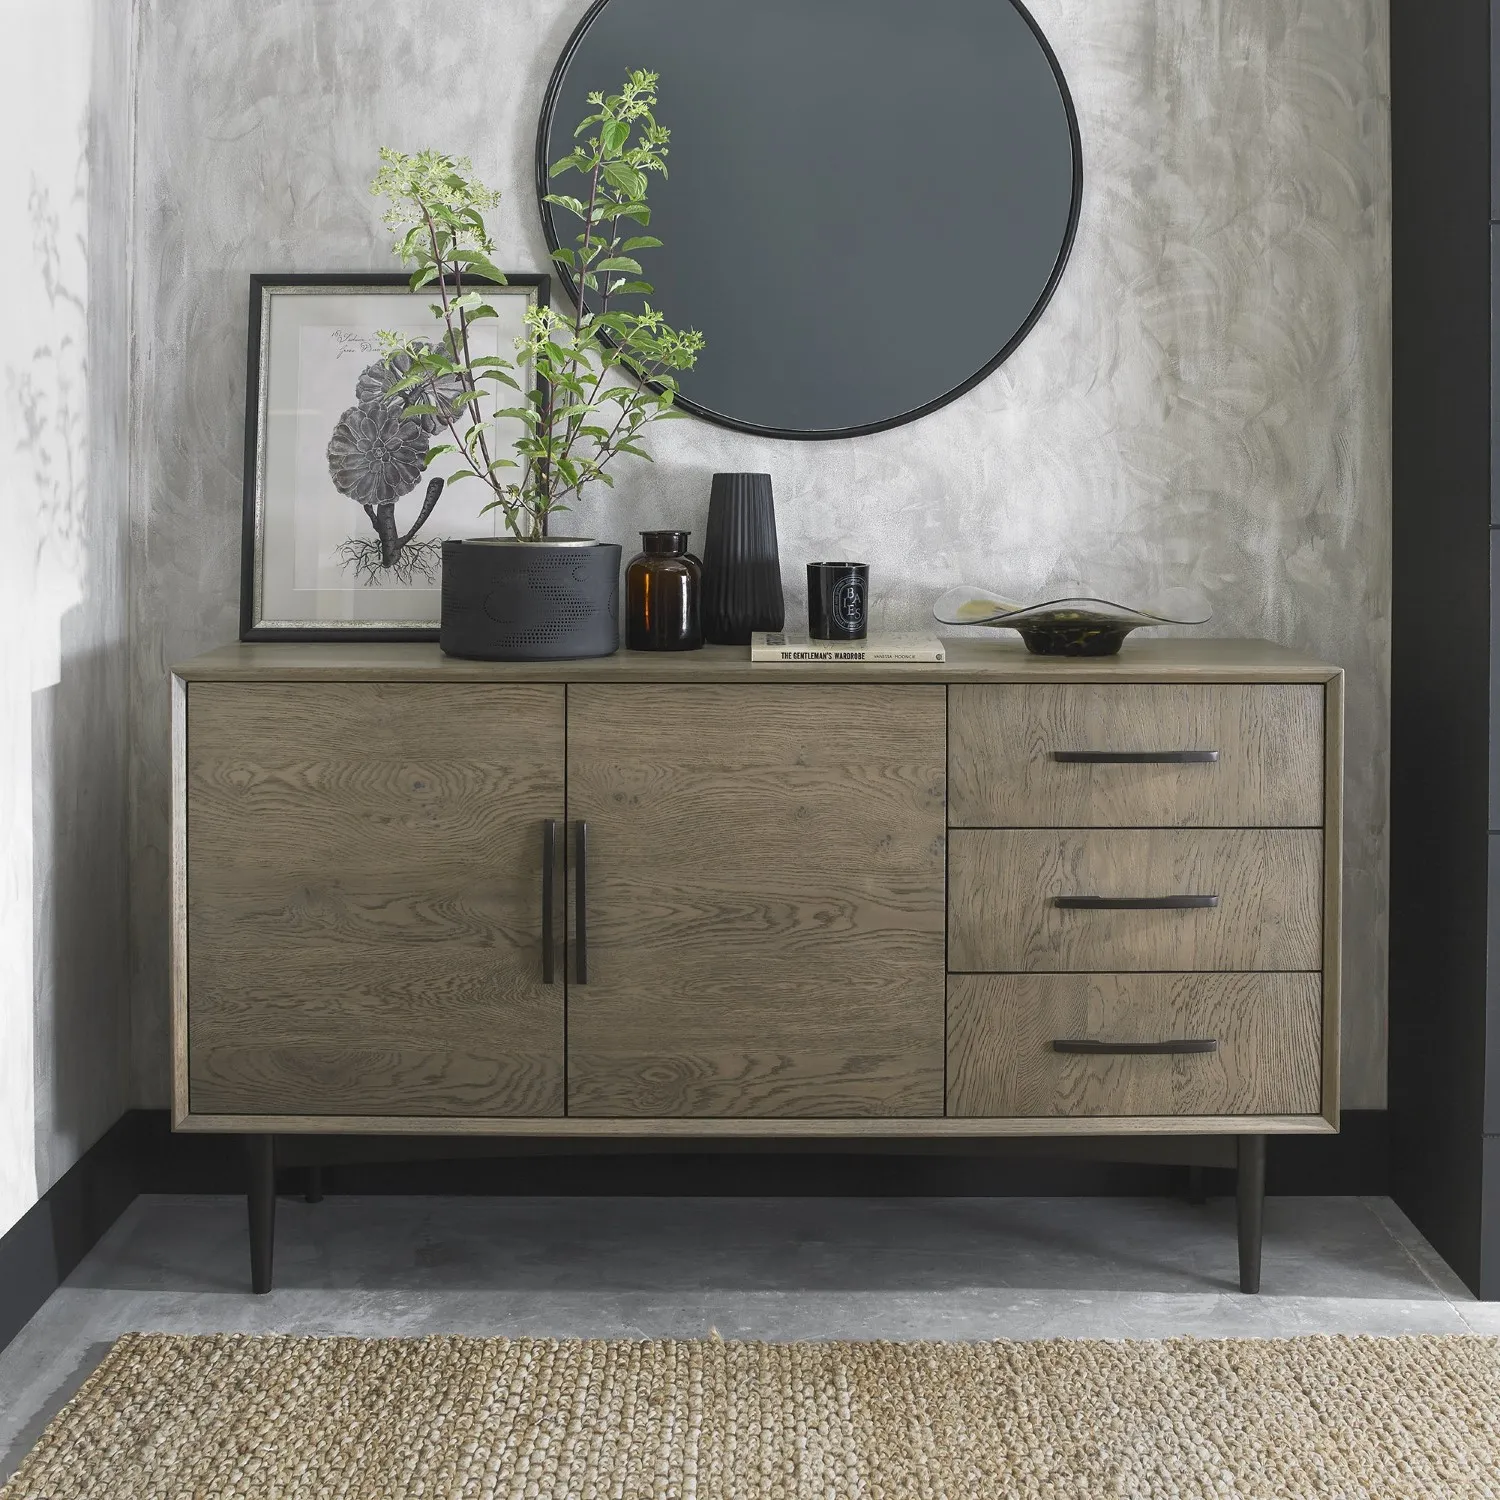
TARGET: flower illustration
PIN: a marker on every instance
(374, 456)
(375, 382)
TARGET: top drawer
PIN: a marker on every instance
(1258, 761)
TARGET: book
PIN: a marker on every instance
(779, 645)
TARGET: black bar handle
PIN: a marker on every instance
(1134, 903)
(1092, 1048)
(581, 903)
(549, 876)
(1136, 757)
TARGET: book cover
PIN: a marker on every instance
(779, 645)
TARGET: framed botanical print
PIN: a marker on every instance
(344, 525)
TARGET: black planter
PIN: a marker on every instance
(741, 563)
(530, 601)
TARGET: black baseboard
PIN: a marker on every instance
(141, 1154)
(1353, 1163)
(40, 1251)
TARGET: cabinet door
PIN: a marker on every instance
(764, 883)
(364, 899)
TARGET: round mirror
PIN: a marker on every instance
(869, 201)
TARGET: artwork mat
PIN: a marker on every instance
(269, 532)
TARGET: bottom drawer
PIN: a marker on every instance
(1266, 1058)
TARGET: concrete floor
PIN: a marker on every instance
(761, 1268)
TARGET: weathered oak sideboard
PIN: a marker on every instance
(687, 896)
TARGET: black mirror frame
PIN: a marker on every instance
(565, 277)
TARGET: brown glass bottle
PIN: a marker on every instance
(663, 589)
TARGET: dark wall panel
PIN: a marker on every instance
(1495, 110)
(1494, 381)
(1489, 1269)
(1492, 998)
(1494, 698)
(1440, 677)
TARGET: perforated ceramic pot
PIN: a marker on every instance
(553, 600)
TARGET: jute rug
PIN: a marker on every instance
(540, 1420)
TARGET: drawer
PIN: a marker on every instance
(1012, 895)
(1266, 1030)
(1256, 756)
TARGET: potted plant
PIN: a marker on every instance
(603, 374)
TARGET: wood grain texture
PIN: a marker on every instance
(179, 878)
(1000, 659)
(1269, 738)
(750, 1127)
(420, 1008)
(1001, 883)
(1333, 898)
(363, 900)
(1001, 1028)
(765, 901)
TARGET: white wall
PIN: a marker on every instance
(63, 178)
(81, 935)
(1205, 401)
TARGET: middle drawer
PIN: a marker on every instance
(1023, 900)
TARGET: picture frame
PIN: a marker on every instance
(342, 528)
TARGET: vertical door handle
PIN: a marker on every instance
(549, 877)
(581, 902)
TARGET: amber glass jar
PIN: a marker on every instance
(663, 588)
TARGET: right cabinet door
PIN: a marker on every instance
(762, 900)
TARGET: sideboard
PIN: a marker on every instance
(690, 896)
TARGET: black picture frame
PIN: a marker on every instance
(721, 419)
(262, 285)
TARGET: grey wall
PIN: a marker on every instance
(79, 725)
(65, 97)
(1205, 401)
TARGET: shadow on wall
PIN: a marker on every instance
(80, 893)
(69, 388)
(77, 387)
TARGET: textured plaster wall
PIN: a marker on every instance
(81, 934)
(1205, 401)
(64, 180)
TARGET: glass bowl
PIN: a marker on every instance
(1068, 625)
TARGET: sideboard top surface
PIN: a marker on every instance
(969, 660)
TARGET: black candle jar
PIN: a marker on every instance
(838, 601)
(663, 589)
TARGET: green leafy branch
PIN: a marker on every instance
(438, 205)
(605, 373)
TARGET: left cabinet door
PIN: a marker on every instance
(364, 877)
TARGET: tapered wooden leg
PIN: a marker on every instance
(260, 1152)
(1251, 1196)
(1195, 1191)
(314, 1192)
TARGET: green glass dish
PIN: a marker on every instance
(1071, 625)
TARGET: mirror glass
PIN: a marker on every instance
(869, 201)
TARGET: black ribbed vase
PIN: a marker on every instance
(741, 563)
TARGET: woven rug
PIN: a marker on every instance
(535, 1419)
